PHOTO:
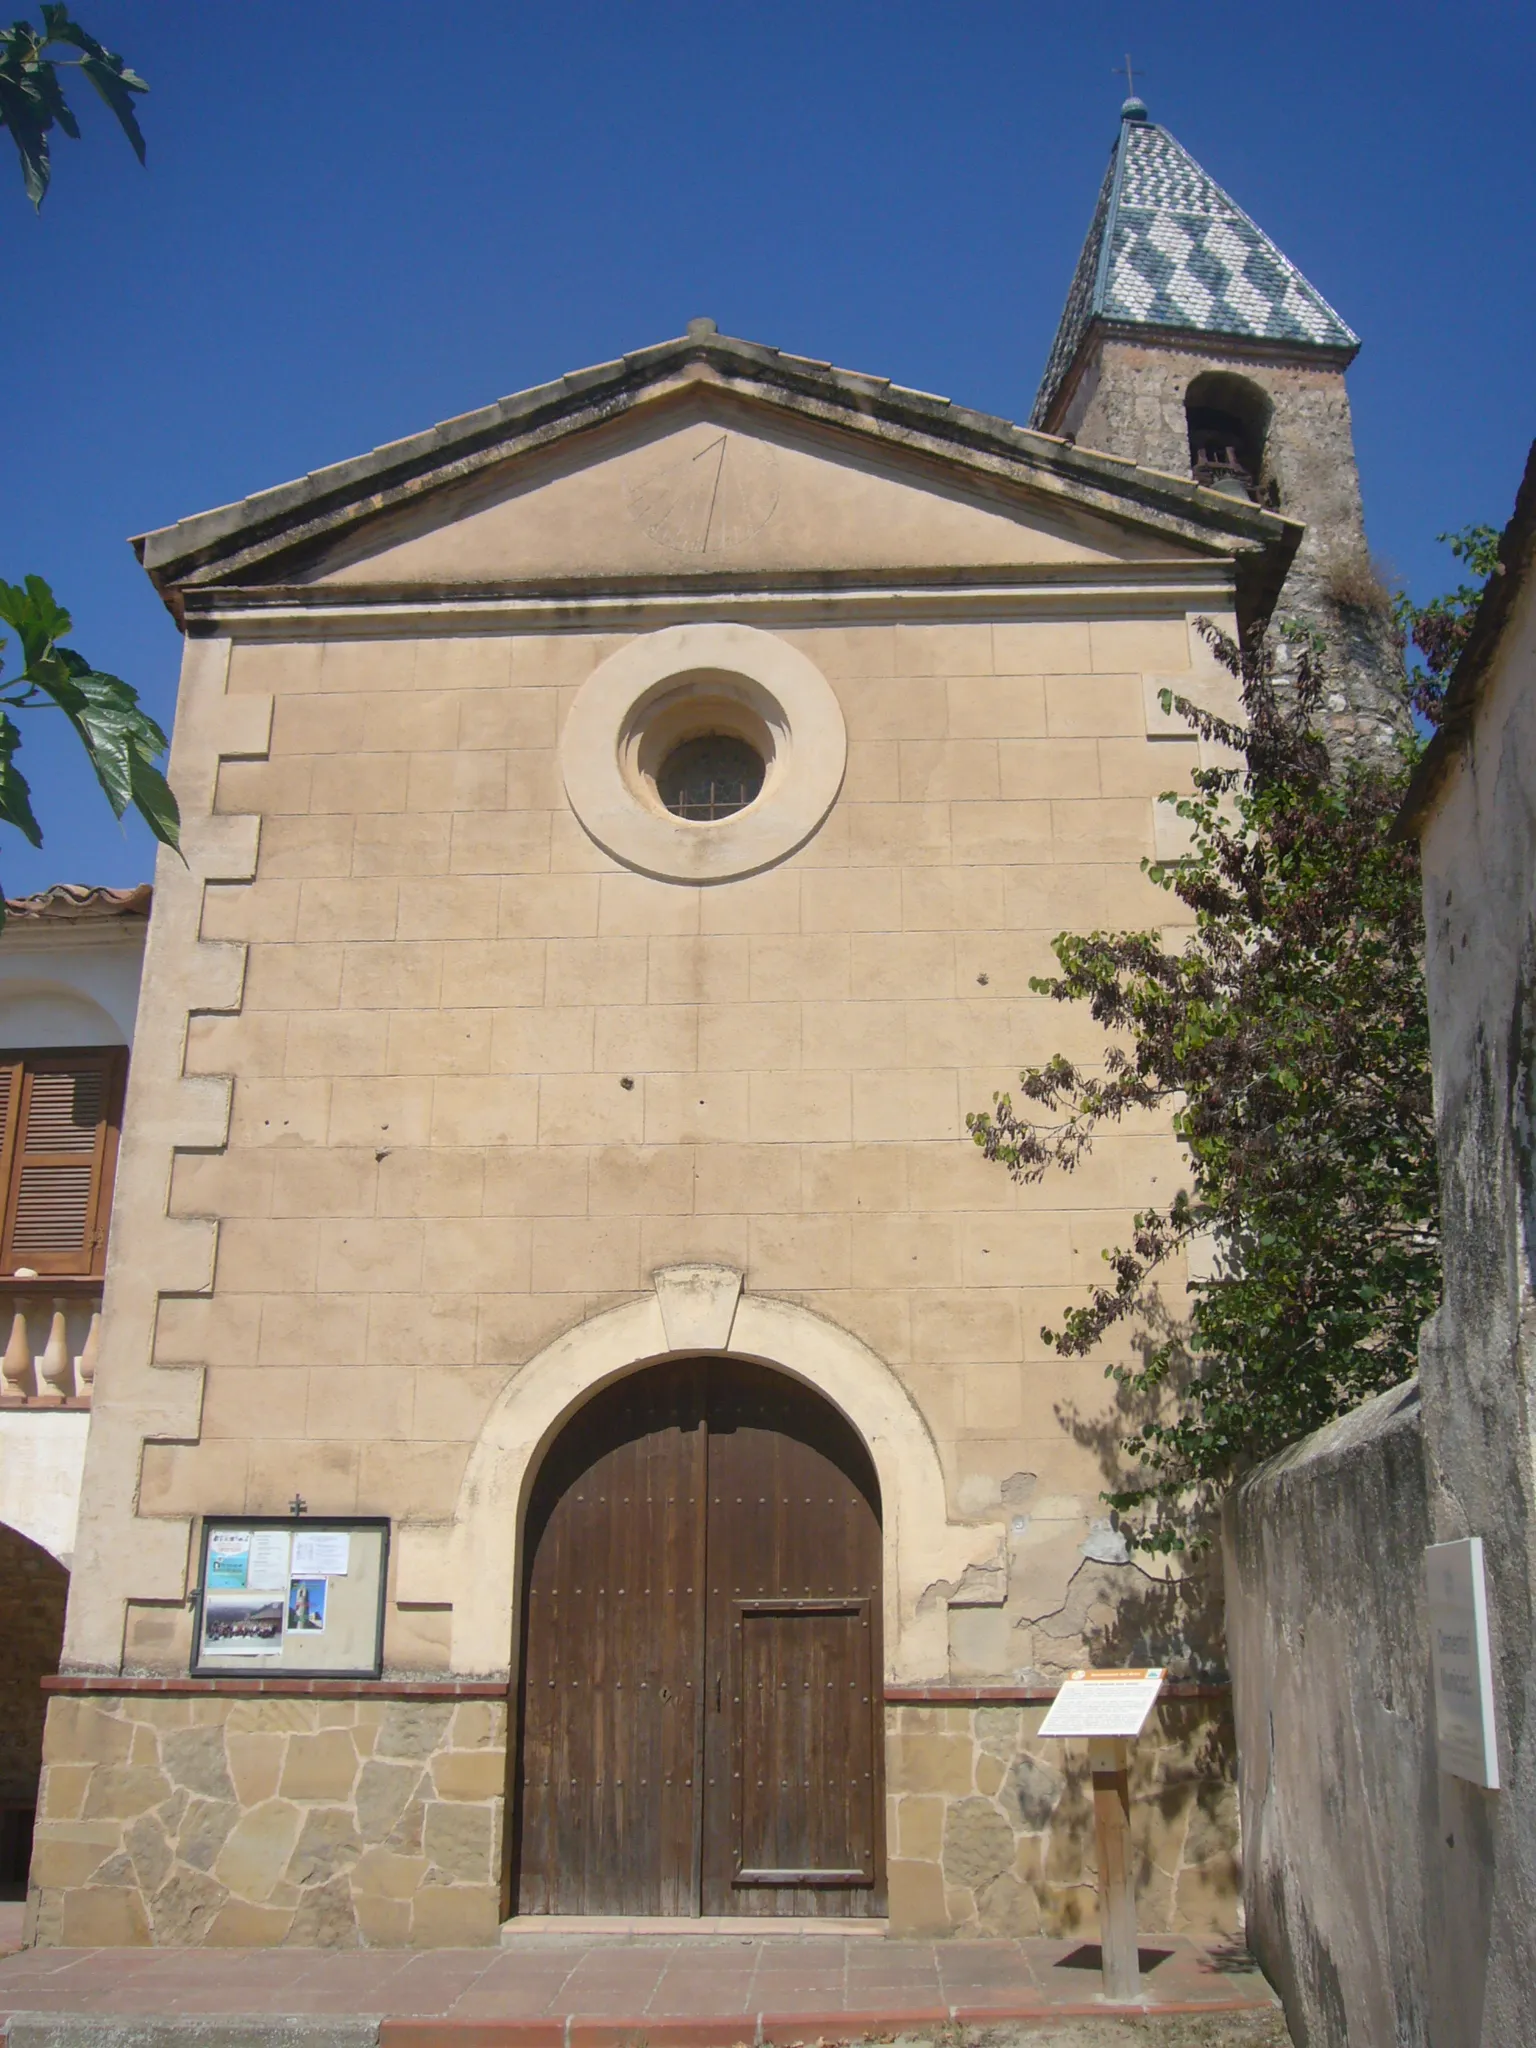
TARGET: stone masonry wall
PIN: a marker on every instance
(1129, 401)
(1477, 1353)
(991, 1825)
(487, 1083)
(268, 1821)
(377, 1823)
(426, 1083)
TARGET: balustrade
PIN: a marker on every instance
(50, 1356)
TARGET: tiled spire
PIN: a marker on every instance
(1168, 249)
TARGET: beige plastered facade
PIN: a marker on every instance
(442, 1116)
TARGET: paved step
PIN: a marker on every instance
(540, 1927)
(616, 1989)
(105, 2030)
(1060, 2027)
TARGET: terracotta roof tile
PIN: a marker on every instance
(79, 903)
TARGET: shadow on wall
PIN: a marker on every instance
(1132, 1408)
(994, 1830)
(1134, 1608)
(33, 1590)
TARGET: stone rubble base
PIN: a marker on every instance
(336, 1823)
(257, 1822)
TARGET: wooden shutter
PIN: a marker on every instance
(10, 1099)
(61, 1137)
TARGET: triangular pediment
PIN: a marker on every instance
(706, 457)
(710, 482)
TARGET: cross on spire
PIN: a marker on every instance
(1130, 77)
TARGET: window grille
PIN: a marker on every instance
(711, 777)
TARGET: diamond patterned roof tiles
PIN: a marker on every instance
(1168, 248)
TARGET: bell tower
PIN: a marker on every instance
(1190, 344)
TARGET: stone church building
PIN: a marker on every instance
(622, 825)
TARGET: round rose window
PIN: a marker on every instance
(711, 776)
(703, 752)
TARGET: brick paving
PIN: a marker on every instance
(571, 1991)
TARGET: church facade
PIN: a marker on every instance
(622, 826)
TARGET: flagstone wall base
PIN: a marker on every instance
(991, 1827)
(246, 1822)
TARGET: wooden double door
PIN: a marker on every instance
(701, 1724)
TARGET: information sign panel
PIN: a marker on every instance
(1103, 1703)
(1462, 1661)
(285, 1597)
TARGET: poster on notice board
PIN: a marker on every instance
(284, 1595)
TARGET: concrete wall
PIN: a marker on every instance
(1330, 1665)
(1393, 1902)
(1478, 1354)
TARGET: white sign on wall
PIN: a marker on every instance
(1104, 1703)
(1463, 1663)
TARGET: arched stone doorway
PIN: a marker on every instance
(34, 1587)
(700, 1726)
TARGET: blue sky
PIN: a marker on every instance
(363, 217)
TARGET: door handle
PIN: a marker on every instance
(717, 1692)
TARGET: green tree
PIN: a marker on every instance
(1288, 1038)
(120, 738)
(32, 102)
(121, 741)
(1438, 630)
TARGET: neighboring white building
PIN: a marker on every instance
(70, 962)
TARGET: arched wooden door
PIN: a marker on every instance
(701, 1724)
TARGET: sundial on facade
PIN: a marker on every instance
(708, 497)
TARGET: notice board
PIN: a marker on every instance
(1104, 1703)
(291, 1597)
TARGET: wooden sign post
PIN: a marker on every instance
(1110, 1761)
(1109, 1708)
